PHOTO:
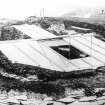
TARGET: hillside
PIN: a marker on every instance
(48, 83)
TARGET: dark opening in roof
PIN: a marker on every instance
(69, 51)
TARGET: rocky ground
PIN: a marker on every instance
(74, 98)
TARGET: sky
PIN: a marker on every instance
(20, 9)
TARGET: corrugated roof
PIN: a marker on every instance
(34, 31)
(33, 53)
(39, 53)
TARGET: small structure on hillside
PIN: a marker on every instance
(60, 53)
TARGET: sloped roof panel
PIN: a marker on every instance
(39, 53)
(34, 31)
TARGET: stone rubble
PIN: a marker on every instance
(72, 97)
(22, 99)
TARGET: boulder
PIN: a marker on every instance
(67, 100)
(101, 98)
(58, 103)
(100, 102)
(87, 99)
(31, 102)
(48, 99)
(80, 103)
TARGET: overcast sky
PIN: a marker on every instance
(19, 9)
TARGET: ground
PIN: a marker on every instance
(80, 88)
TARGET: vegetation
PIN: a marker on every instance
(97, 28)
(10, 33)
(7, 84)
(42, 73)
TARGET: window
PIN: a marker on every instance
(69, 51)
